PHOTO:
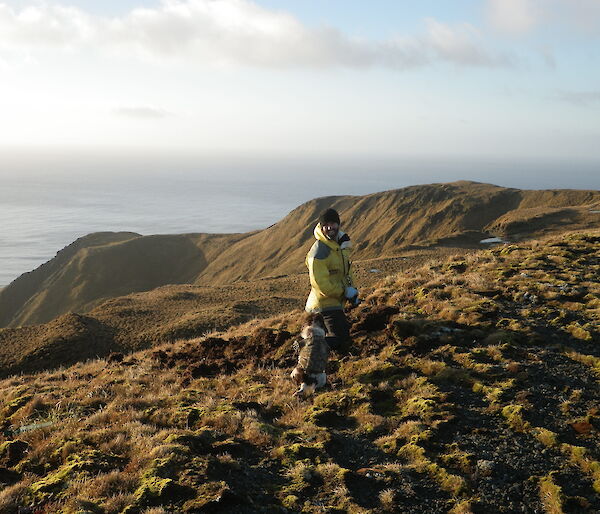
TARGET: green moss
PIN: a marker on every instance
(11, 452)
(14, 405)
(421, 293)
(188, 416)
(551, 495)
(580, 457)
(165, 467)
(301, 476)
(293, 453)
(417, 406)
(588, 360)
(212, 497)
(576, 453)
(157, 482)
(454, 484)
(189, 397)
(89, 462)
(462, 507)
(386, 372)
(546, 437)
(153, 490)
(513, 415)
(459, 459)
(331, 409)
(333, 475)
(394, 442)
(291, 502)
(53, 483)
(415, 454)
(493, 393)
(335, 401)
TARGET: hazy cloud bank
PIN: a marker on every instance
(582, 98)
(234, 33)
(520, 16)
(143, 113)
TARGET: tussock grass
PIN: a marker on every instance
(428, 410)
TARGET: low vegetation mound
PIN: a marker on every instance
(166, 314)
(474, 386)
(460, 214)
(143, 320)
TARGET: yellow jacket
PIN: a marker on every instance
(329, 269)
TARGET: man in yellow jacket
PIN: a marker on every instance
(331, 279)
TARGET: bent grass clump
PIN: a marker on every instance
(551, 495)
(415, 454)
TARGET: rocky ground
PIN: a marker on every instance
(473, 386)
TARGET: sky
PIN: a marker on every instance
(491, 78)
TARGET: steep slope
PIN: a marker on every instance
(382, 224)
(473, 387)
(459, 214)
(165, 314)
(14, 296)
(97, 268)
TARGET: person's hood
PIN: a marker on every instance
(343, 240)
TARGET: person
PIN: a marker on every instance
(331, 279)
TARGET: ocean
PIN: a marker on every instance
(45, 204)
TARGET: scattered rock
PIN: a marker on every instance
(485, 468)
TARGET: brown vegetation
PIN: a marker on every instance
(473, 387)
(456, 215)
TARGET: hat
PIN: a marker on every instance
(331, 216)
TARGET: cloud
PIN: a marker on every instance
(141, 113)
(513, 15)
(38, 26)
(521, 16)
(548, 56)
(581, 98)
(234, 33)
(460, 45)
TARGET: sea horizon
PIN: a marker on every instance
(47, 204)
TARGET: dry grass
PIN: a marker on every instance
(417, 406)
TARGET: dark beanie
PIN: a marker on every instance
(331, 216)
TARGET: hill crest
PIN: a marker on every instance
(459, 214)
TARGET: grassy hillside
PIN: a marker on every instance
(460, 214)
(16, 296)
(165, 314)
(473, 387)
(80, 278)
(457, 214)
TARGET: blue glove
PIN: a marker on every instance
(351, 292)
